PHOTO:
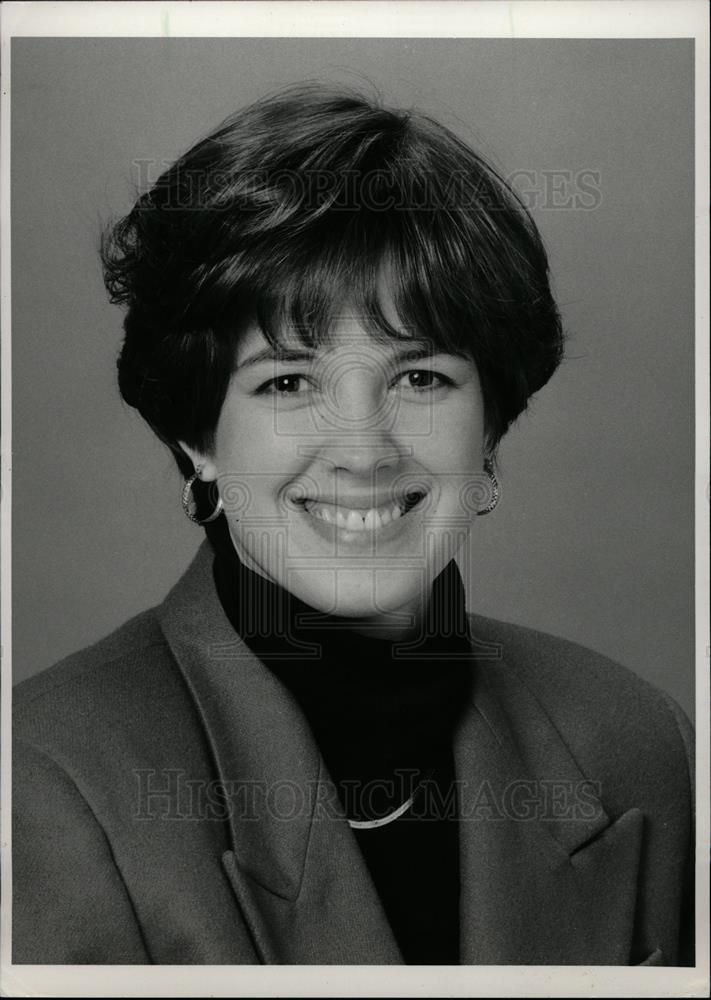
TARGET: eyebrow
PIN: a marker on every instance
(413, 351)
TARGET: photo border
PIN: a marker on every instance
(430, 19)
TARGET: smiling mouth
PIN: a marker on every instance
(362, 520)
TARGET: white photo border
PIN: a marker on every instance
(425, 19)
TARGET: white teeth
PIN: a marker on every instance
(354, 520)
(376, 519)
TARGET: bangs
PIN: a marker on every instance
(394, 271)
(397, 221)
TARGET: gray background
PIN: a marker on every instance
(593, 538)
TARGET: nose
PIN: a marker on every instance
(357, 422)
(356, 397)
(360, 457)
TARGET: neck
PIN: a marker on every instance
(399, 625)
(396, 626)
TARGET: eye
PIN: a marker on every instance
(421, 380)
(282, 385)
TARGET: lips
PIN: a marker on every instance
(361, 519)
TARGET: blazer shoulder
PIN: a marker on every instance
(555, 665)
(594, 701)
(112, 671)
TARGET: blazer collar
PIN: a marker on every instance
(295, 866)
(547, 877)
(545, 874)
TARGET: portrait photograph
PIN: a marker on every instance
(355, 499)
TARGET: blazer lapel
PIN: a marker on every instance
(295, 866)
(547, 876)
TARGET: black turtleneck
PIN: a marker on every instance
(382, 713)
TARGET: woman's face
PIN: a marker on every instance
(315, 453)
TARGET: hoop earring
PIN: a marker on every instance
(187, 490)
(495, 488)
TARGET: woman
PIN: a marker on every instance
(310, 752)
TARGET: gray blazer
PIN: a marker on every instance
(171, 806)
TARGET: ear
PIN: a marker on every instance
(204, 466)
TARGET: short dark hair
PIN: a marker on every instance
(294, 204)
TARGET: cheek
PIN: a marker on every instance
(253, 461)
(455, 455)
(244, 438)
(456, 444)
(472, 431)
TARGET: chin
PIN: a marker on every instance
(358, 594)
